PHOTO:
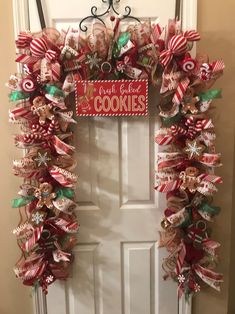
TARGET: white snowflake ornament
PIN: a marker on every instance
(42, 159)
(37, 218)
(93, 61)
(194, 149)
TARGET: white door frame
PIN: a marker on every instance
(21, 23)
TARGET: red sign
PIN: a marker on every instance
(112, 98)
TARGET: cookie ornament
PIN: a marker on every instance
(45, 195)
(42, 109)
(190, 179)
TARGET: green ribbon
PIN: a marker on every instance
(167, 122)
(211, 94)
(18, 95)
(22, 201)
(123, 39)
(211, 210)
(188, 218)
(54, 90)
(65, 192)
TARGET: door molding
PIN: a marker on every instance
(21, 22)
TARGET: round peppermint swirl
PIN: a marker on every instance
(188, 65)
(28, 85)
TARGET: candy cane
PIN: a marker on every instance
(31, 138)
(54, 125)
(178, 130)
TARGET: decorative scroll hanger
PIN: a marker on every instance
(110, 8)
(94, 9)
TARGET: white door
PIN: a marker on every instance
(117, 268)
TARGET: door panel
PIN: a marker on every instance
(117, 267)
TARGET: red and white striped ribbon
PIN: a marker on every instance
(68, 226)
(26, 59)
(207, 188)
(211, 160)
(210, 178)
(55, 71)
(217, 66)
(29, 244)
(61, 147)
(64, 177)
(210, 246)
(156, 33)
(19, 112)
(180, 259)
(23, 40)
(180, 91)
(210, 277)
(164, 137)
(169, 186)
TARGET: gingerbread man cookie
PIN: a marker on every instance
(45, 195)
(190, 179)
(42, 109)
(189, 102)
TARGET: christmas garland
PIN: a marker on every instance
(43, 94)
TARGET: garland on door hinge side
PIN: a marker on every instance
(43, 93)
(185, 167)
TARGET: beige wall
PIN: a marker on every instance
(216, 23)
(217, 26)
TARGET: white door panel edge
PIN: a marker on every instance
(130, 250)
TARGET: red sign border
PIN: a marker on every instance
(107, 114)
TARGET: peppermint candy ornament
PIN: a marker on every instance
(38, 47)
(28, 85)
(176, 47)
(205, 72)
(188, 64)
